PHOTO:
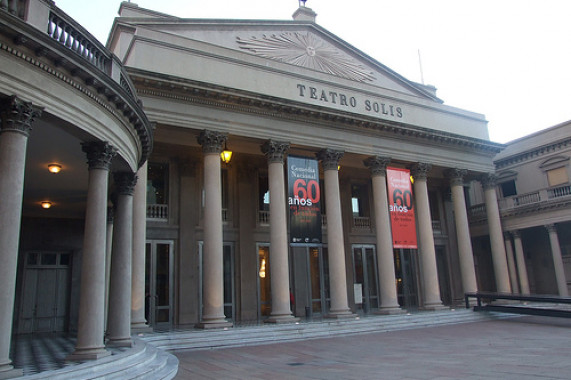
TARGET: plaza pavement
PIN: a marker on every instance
(518, 348)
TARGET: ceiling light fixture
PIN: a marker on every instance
(54, 168)
(46, 204)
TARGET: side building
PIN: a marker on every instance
(534, 192)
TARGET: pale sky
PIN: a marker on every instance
(507, 59)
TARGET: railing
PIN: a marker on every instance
(263, 217)
(534, 304)
(437, 226)
(560, 191)
(520, 200)
(361, 222)
(85, 46)
(157, 212)
(15, 7)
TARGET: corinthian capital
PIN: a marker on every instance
(489, 181)
(456, 176)
(330, 158)
(212, 142)
(125, 182)
(99, 154)
(275, 151)
(377, 165)
(17, 115)
(420, 170)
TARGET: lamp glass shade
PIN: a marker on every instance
(54, 168)
(226, 156)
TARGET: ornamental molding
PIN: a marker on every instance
(309, 51)
(531, 154)
(377, 165)
(247, 103)
(275, 151)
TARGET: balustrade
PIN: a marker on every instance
(157, 212)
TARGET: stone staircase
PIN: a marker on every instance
(142, 361)
(269, 333)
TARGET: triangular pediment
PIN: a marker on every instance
(299, 44)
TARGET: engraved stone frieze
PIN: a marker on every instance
(307, 50)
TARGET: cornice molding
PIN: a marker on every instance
(235, 101)
(533, 153)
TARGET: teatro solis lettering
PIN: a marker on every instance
(333, 97)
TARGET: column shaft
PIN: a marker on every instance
(496, 236)
(138, 322)
(557, 261)
(16, 118)
(335, 244)
(212, 254)
(279, 263)
(427, 252)
(91, 322)
(511, 263)
(520, 263)
(465, 253)
(385, 255)
(119, 322)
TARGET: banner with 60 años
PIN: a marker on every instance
(304, 200)
(401, 208)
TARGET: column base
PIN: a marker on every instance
(10, 372)
(280, 319)
(211, 325)
(86, 354)
(434, 307)
(345, 314)
(120, 342)
(141, 328)
(390, 310)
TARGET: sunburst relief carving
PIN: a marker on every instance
(308, 51)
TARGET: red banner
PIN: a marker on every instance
(401, 208)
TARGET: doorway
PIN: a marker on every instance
(45, 292)
(405, 271)
(365, 278)
(264, 287)
(159, 282)
(310, 281)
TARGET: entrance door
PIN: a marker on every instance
(159, 282)
(264, 288)
(228, 280)
(45, 292)
(310, 281)
(405, 270)
(365, 278)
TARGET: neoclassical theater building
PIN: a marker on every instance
(141, 224)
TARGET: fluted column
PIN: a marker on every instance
(465, 253)
(520, 263)
(511, 263)
(557, 261)
(385, 256)
(16, 118)
(496, 235)
(212, 254)
(89, 344)
(427, 252)
(275, 152)
(138, 321)
(335, 244)
(119, 322)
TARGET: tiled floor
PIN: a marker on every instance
(41, 352)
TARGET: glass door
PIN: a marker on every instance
(159, 282)
(365, 278)
(405, 264)
(309, 281)
(264, 288)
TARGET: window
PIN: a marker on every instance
(263, 192)
(157, 183)
(508, 188)
(556, 177)
(359, 198)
